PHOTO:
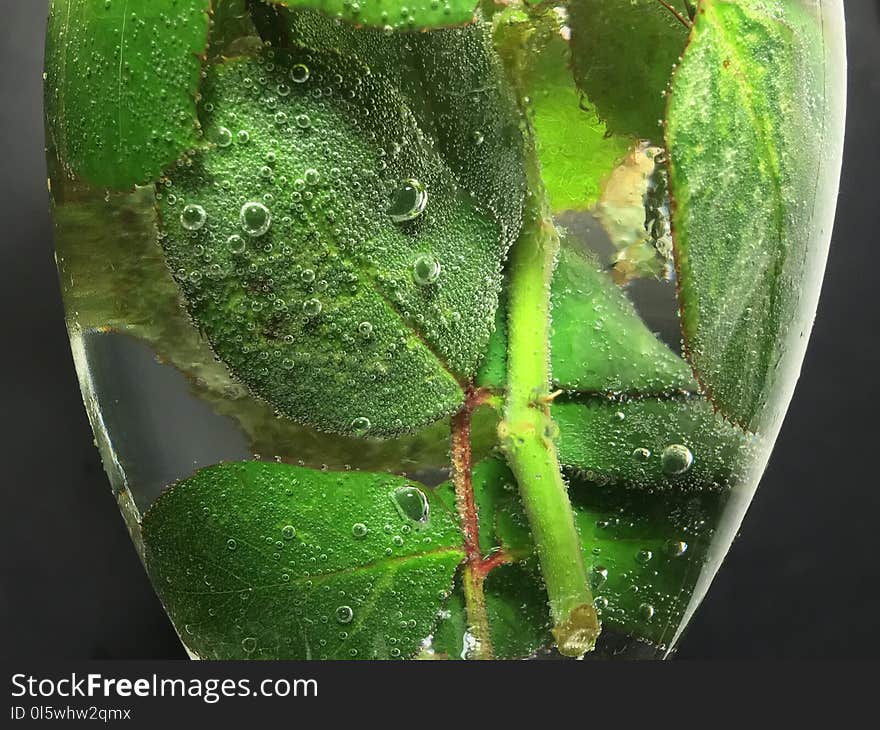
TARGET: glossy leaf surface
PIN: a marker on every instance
(623, 53)
(363, 287)
(121, 85)
(744, 160)
(397, 14)
(269, 561)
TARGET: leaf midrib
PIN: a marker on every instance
(382, 563)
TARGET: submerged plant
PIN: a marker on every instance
(363, 210)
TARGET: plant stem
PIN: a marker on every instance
(474, 571)
(527, 429)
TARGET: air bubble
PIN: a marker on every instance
(408, 201)
(300, 73)
(288, 532)
(255, 219)
(224, 137)
(411, 503)
(359, 530)
(235, 243)
(344, 614)
(361, 425)
(676, 459)
(312, 307)
(193, 217)
(426, 270)
(676, 548)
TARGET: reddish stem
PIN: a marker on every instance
(681, 19)
(476, 567)
(461, 473)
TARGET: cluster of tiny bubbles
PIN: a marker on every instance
(288, 532)
(676, 459)
(361, 425)
(359, 530)
(193, 217)
(408, 201)
(425, 270)
(412, 503)
(255, 219)
(344, 614)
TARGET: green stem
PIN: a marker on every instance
(527, 428)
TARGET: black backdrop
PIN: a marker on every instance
(801, 582)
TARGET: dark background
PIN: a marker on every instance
(803, 581)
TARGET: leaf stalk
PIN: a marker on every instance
(527, 429)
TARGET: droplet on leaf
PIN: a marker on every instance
(676, 459)
(412, 503)
(408, 201)
(426, 270)
(255, 219)
(193, 217)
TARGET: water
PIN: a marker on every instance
(290, 333)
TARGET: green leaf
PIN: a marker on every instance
(269, 561)
(397, 14)
(575, 149)
(123, 285)
(341, 318)
(517, 611)
(746, 102)
(232, 30)
(599, 342)
(121, 85)
(453, 82)
(652, 443)
(644, 552)
(623, 53)
(492, 372)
